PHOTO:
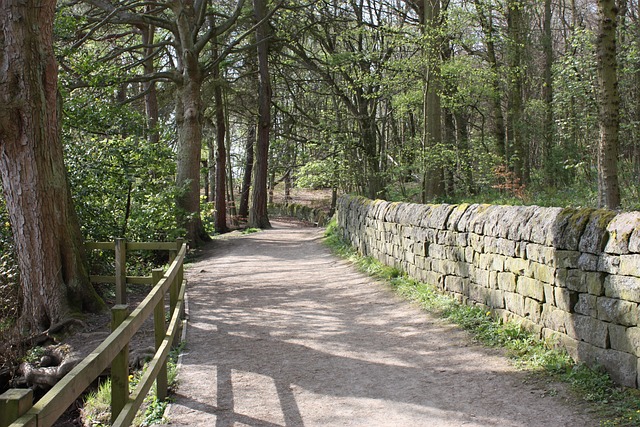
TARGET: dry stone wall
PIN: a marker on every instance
(569, 275)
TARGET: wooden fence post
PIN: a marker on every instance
(14, 403)
(119, 366)
(121, 271)
(160, 332)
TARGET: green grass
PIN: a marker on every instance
(96, 411)
(618, 406)
(251, 230)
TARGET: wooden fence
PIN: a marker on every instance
(16, 408)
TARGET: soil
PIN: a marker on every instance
(282, 333)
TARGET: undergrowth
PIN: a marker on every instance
(96, 411)
(619, 406)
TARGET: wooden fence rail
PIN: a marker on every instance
(16, 409)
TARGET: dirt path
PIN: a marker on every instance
(282, 333)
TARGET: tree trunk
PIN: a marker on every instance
(189, 121)
(258, 215)
(547, 47)
(151, 96)
(220, 220)
(54, 281)
(515, 137)
(434, 174)
(609, 106)
(248, 170)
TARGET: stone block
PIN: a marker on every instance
(595, 234)
(481, 277)
(532, 309)
(493, 279)
(620, 231)
(622, 287)
(518, 227)
(453, 221)
(496, 299)
(566, 259)
(587, 305)
(478, 293)
(609, 263)
(549, 294)
(554, 318)
(569, 226)
(594, 282)
(530, 288)
(445, 237)
(588, 262)
(507, 282)
(617, 311)
(621, 366)
(619, 340)
(476, 241)
(540, 253)
(633, 338)
(516, 265)
(514, 303)
(560, 278)
(629, 265)
(438, 216)
(559, 340)
(565, 299)
(634, 241)
(591, 330)
(456, 284)
(437, 251)
(541, 272)
(468, 254)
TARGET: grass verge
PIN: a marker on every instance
(618, 406)
(96, 411)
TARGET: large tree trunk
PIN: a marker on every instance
(53, 275)
(151, 95)
(189, 121)
(432, 111)
(258, 215)
(609, 106)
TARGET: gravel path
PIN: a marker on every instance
(282, 333)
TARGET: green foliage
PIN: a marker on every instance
(251, 230)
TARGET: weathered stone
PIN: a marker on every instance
(591, 330)
(456, 215)
(629, 265)
(530, 288)
(438, 216)
(496, 299)
(619, 340)
(541, 254)
(569, 226)
(609, 263)
(532, 309)
(549, 294)
(621, 366)
(634, 241)
(620, 230)
(493, 279)
(565, 299)
(633, 338)
(566, 259)
(595, 234)
(541, 272)
(478, 293)
(622, 287)
(561, 341)
(617, 311)
(594, 282)
(517, 266)
(588, 262)
(507, 282)
(587, 305)
(457, 284)
(539, 225)
(554, 318)
(468, 254)
(481, 277)
(514, 303)
(561, 278)
(469, 216)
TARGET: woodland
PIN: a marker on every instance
(154, 120)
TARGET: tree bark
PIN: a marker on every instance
(54, 281)
(248, 170)
(220, 221)
(609, 106)
(258, 215)
(547, 48)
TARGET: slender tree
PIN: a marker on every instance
(609, 106)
